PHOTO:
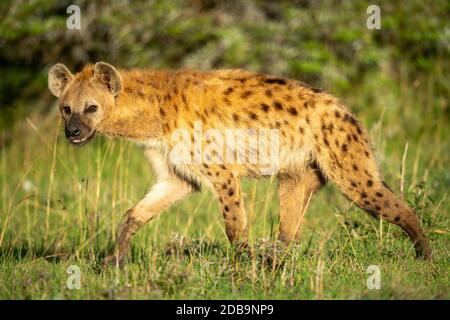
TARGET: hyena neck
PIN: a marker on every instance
(136, 114)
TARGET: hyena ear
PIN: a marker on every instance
(58, 78)
(108, 75)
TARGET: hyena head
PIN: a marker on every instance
(85, 99)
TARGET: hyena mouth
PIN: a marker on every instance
(82, 141)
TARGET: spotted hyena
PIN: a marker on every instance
(319, 139)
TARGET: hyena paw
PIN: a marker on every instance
(242, 247)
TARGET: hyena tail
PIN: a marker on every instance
(345, 156)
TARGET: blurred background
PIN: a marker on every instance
(61, 205)
(324, 43)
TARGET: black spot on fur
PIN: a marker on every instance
(355, 167)
(235, 117)
(337, 114)
(363, 195)
(293, 111)
(228, 91)
(277, 105)
(369, 183)
(246, 94)
(264, 107)
(344, 148)
(331, 128)
(230, 192)
(397, 218)
(349, 118)
(268, 93)
(253, 116)
(276, 81)
(379, 194)
(161, 112)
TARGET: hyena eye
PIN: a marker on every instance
(66, 109)
(91, 109)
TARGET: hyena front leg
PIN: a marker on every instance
(294, 193)
(160, 197)
(168, 189)
(228, 190)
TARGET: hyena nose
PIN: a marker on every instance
(72, 132)
(76, 132)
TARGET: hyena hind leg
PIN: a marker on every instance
(352, 167)
(294, 194)
(382, 203)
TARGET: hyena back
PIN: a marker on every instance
(319, 140)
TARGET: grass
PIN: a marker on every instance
(60, 206)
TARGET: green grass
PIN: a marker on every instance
(61, 206)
